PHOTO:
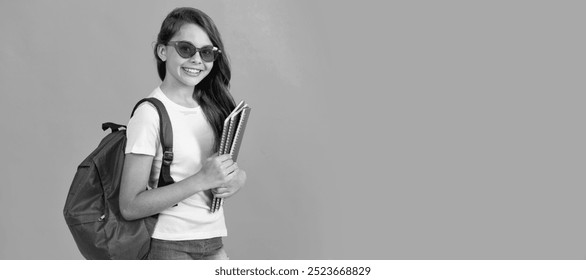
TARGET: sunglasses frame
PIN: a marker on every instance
(216, 51)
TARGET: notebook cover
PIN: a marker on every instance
(242, 119)
(226, 124)
(234, 119)
(239, 133)
(228, 132)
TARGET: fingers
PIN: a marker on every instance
(220, 169)
(227, 163)
(231, 186)
(223, 157)
(223, 192)
(220, 190)
(223, 161)
(223, 195)
(228, 166)
(220, 159)
(232, 169)
(228, 176)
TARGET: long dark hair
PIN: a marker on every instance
(213, 92)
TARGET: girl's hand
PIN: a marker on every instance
(219, 170)
(233, 186)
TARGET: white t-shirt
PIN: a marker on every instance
(193, 141)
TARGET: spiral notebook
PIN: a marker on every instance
(232, 134)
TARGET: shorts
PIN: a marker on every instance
(201, 249)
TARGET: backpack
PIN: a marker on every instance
(91, 209)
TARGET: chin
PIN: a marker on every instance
(192, 81)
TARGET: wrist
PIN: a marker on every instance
(199, 182)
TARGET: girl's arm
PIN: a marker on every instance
(138, 202)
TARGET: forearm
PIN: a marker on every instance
(154, 201)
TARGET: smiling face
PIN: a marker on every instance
(186, 72)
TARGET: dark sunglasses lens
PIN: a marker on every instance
(185, 50)
(207, 54)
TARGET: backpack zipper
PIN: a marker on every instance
(102, 218)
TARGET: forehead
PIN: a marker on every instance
(192, 33)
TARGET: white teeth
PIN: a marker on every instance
(191, 71)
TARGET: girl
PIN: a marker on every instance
(195, 74)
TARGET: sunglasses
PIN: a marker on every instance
(186, 50)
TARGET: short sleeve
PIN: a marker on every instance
(142, 131)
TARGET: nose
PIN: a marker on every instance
(196, 58)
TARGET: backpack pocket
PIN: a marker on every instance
(89, 235)
(86, 196)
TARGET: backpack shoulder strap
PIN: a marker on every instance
(166, 136)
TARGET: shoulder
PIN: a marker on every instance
(145, 112)
(144, 117)
(142, 130)
(147, 108)
(144, 108)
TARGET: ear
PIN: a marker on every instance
(162, 52)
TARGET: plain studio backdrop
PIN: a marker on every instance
(379, 130)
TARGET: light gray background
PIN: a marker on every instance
(401, 130)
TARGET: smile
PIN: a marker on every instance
(191, 71)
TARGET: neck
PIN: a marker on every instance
(182, 91)
(182, 95)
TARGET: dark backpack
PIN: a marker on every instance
(91, 210)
